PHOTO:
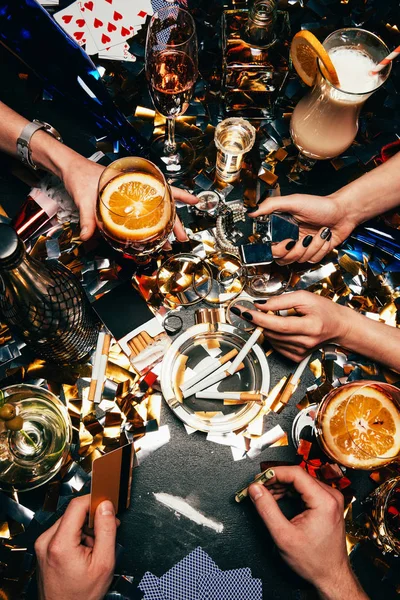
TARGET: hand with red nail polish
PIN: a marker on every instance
(74, 564)
(313, 543)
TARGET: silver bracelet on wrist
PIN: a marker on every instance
(23, 142)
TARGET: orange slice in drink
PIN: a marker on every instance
(304, 51)
(364, 431)
(133, 207)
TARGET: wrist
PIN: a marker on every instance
(345, 586)
(344, 322)
(348, 207)
(50, 154)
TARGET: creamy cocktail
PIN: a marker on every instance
(325, 122)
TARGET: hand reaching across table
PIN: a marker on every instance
(79, 174)
(313, 542)
(318, 321)
(322, 226)
(326, 221)
(73, 564)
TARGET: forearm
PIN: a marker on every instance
(47, 152)
(372, 194)
(343, 586)
(373, 339)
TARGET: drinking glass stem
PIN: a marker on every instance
(170, 145)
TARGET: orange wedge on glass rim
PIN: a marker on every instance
(304, 51)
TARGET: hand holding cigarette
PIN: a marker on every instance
(318, 321)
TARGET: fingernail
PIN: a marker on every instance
(236, 311)
(260, 301)
(107, 508)
(290, 245)
(325, 233)
(256, 490)
(329, 236)
(307, 241)
(247, 315)
(84, 231)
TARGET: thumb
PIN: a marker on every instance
(87, 219)
(105, 531)
(268, 509)
(278, 204)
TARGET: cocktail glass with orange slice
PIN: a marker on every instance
(358, 424)
(325, 121)
(135, 210)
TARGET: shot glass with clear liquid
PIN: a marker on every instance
(233, 138)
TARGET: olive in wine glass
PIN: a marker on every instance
(171, 71)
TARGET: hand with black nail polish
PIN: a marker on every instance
(323, 224)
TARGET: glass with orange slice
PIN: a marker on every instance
(358, 424)
(135, 209)
(325, 121)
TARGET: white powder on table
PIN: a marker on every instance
(182, 507)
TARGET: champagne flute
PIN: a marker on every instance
(171, 71)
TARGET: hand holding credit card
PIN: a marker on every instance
(111, 480)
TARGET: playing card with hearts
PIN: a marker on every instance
(118, 52)
(112, 22)
(72, 21)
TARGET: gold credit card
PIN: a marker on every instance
(112, 479)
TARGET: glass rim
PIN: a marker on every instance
(235, 121)
(373, 35)
(164, 182)
(165, 9)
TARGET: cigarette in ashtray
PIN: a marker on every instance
(231, 397)
(245, 350)
(261, 478)
(210, 368)
(219, 375)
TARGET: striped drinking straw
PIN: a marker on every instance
(386, 61)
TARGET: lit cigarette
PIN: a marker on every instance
(261, 478)
(245, 350)
(210, 368)
(218, 376)
(236, 396)
(290, 387)
(96, 366)
(102, 368)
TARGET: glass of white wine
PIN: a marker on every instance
(35, 441)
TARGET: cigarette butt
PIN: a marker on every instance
(261, 478)
(284, 396)
(136, 346)
(131, 346)
(146, 337)
(139, 343)
(92, 390)
(106, 344)
(287, 393)
(224, 359)
(244, 399)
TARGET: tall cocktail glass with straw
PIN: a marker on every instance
(325, 121)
